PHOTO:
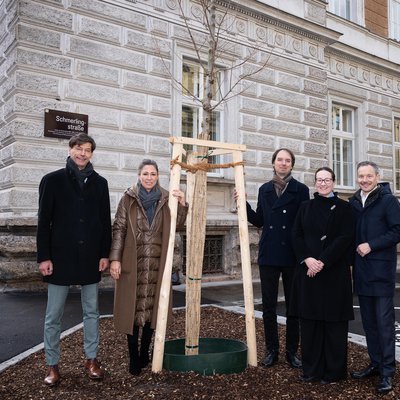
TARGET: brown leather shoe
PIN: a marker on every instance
(53, 376)
(94, 369)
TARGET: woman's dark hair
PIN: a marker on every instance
(327, 169)
(80, 139)
(287, 150)
(145, 162)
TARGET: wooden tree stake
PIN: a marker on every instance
(162, 315)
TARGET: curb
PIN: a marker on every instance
(352, 337)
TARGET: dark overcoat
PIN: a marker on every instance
(378, 224)
(74, 227)
(124, 249)
(324, 230)
(276, 216)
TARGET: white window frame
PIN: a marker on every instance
(394, 19)
(188, 101)
(355, 10)
(343, 135)
(396, 153)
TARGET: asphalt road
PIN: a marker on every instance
(22, 314)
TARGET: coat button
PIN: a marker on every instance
(283, 227)
(271, 227)
(284, 211)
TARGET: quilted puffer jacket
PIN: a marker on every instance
(142, 249)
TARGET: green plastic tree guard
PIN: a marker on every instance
(216, 356)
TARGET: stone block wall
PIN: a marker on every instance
(115, 61)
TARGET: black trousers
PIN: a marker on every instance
(378, 318)
(324, 349)
(269, 276)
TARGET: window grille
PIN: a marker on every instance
(213, 249)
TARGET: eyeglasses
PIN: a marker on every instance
(327, 181)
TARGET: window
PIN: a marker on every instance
(394, 16)
(348, 9)
(343, 145)
(341, 8)
(396, 148)
(193, 83)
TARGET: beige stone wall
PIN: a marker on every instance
(113, 60)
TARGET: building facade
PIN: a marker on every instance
(319, 77)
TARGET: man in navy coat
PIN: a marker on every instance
(278, 203)
(73, 244)
(374, 271)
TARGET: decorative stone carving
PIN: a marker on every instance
(296, 45)
(241, 26)
(279, 39)
(313, 51)
(197, 12)
(172, 4)
(261, 33)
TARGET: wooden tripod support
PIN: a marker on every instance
(237, 154)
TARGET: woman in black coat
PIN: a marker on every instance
(323, 235)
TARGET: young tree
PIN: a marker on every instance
(216, 53)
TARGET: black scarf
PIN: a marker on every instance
(149, 201)
(280, 183)
(81, 174)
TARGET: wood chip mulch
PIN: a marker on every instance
(25, 379)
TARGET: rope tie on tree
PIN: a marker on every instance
(193, 168)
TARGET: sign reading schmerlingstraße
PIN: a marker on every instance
(63, 124)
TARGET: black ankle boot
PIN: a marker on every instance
(147, 334)
(134, 361)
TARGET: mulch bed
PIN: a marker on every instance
(25, 379)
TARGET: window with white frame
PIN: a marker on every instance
(193, 81)
(396, 149)
(348, 9)
(394, 16)
(343, 139)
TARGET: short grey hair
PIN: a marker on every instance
(368, 164)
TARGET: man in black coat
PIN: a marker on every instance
(278, 203)
(374, 271)
(73, 244)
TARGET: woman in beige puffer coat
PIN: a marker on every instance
(141, 232)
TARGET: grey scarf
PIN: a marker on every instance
(149, 201)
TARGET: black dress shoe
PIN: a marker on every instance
(293, 360)
(384, 385)
(306, 378)
(270, 359)
(371, 370)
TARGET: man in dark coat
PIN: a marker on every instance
(377, 233)
(73, 243)
(278, 203)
